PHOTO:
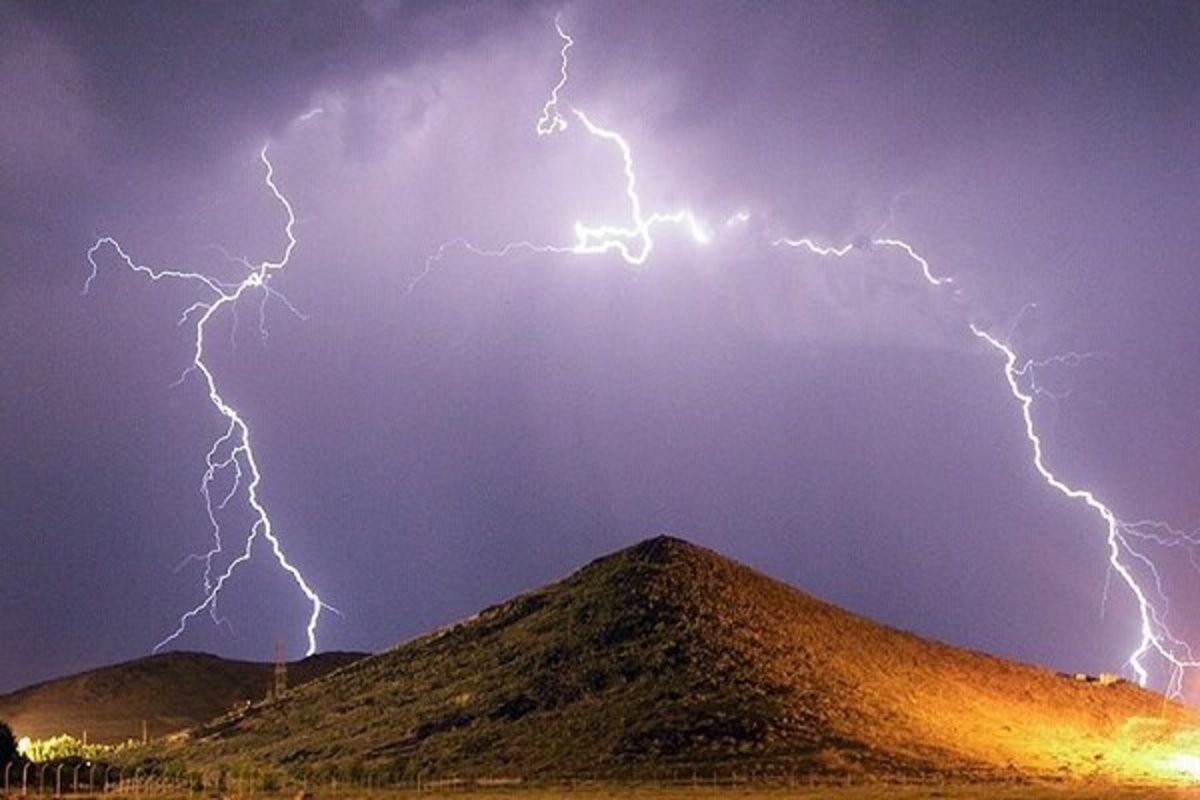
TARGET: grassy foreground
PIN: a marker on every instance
(971, 792)
(968, 792)
(974, 791)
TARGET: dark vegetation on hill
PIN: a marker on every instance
(170, 692)
(8, 744)
(667, 656)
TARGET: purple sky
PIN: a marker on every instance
(425, 454)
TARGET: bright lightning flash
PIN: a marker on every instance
(551, 121)
(231, 453)
(633, 243)
(1155, 635)
(838, 252)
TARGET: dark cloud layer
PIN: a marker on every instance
(426, 453)
(187, 78)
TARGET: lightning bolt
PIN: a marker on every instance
(551, 121)
(231, 456)
(1020, 378)
(1155, 636)
(845, 250)
(634, 244)
(632, 241)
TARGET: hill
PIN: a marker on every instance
(170, 692)
(667, 656)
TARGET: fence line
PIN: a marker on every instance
(66, 780)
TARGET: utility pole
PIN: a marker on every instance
(280, 684)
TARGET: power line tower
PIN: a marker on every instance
(279, 686)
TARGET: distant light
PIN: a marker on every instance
(23, 745)
(1185, 763)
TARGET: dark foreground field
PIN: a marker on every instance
(647, 792)
(885, 792)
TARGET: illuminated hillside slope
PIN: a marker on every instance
(170, 692)
(667, 656)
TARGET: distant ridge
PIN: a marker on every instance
(668, 656)
(170, 691)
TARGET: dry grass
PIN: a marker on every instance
(1057, 791)
(966, 792)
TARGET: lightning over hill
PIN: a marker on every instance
(633, 243)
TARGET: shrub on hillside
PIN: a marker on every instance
(8, 744)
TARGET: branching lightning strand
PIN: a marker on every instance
(231, 452)
(1154, 634)
(632, 242)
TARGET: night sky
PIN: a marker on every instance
(427, 453)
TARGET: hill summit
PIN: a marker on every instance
(668, 656)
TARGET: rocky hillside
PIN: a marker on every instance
(171, 691)
(669, 656)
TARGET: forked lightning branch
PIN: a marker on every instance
(231, 456)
